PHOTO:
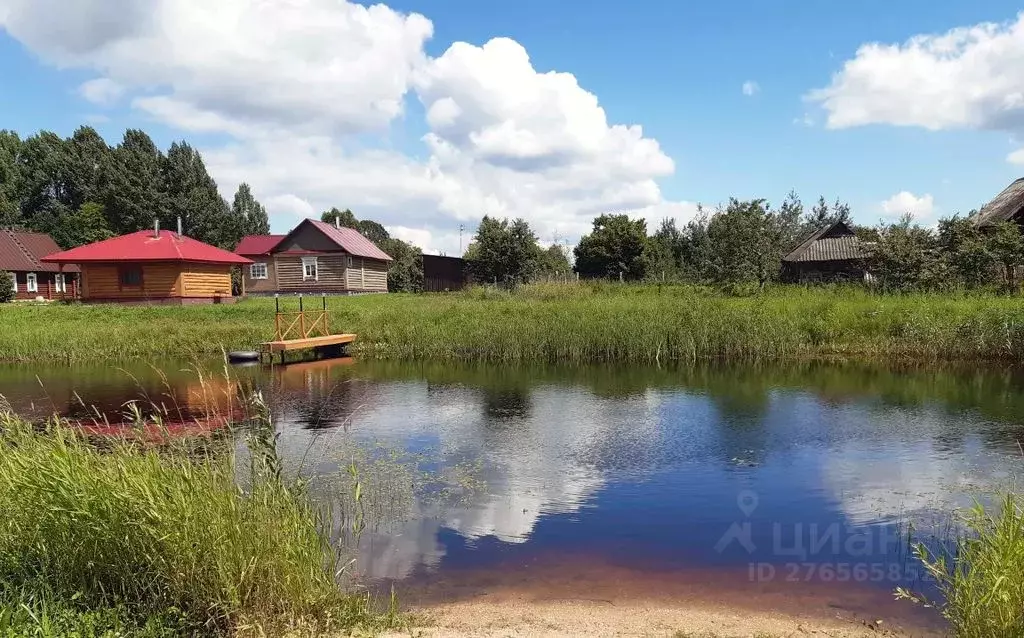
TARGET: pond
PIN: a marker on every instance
(780, 486)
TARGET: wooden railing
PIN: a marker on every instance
(303, 324)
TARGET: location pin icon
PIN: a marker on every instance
(747, 501)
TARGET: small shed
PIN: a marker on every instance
(441, 273)
(831, 253)
(152, 266)
(21, 257)
(1006, 206)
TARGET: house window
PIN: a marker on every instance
(348, 262)
(14, 281)
(309, 269)
(258, 271)
(58, 283)
(31, 282)
(131, 276)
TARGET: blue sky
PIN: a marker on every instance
(675, 68)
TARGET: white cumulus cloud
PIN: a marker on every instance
(306, 91)
(922, 208)
(750, 87)
(967, 78)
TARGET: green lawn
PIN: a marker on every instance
(552, 323)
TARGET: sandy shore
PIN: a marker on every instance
(583, 597)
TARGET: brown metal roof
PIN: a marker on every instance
(1004, 206)
(834, 242)
(23, 251)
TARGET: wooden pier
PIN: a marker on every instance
(302, 330)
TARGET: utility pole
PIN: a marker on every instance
(460, 239)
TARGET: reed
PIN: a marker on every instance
(129, 537)
(981, 576)
(566, 323)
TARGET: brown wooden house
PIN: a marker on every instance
(1006, 206)
(21, 257)
(152, 266)
(314, 258)
(832, 253)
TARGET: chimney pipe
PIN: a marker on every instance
(156, 228)
(179, 226)
(337, 221)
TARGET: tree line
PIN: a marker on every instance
(80, 189)
(743, 243)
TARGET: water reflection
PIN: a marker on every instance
(638, 467)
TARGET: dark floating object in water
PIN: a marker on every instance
(242, 356)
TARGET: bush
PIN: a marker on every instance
(6, 287)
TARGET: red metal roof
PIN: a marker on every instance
(23, 252)
(351, 241)
(144, 245)
(257, 244)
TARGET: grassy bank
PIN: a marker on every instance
(554, 323)
(130, 539)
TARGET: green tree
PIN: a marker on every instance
(10, 178)
(748, 241)
(134, 193)
(406, 271)
(906, 256)
(505, 252)
(192, 194)
(6, 287)
(88, 161)
(822, 214)
(791, 220)
(1007, 245)
(44, 175)
(342, 217)
(248, 214)
(553, 260)
(74, 228)
(373, 231)
(615, 247)
(965, 251)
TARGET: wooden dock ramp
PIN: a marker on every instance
(303, 330)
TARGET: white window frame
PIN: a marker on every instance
(31, 282)
(258, 270)
(310, 261)
(14, 280)
(59, 283)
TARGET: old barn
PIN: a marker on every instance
(152, 266)
(832, 253)
(1004, 207)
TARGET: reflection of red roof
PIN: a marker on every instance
(351, 241)
(145, 246)
(23, 252)
(257, 244)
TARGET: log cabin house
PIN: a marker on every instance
(832, 253)
(314, 258)
(152, 266)
(21, 257)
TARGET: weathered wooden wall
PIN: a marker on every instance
(45, 283)
(261, 285)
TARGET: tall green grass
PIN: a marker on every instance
(981, 578)
(571, 323)
(128, 538)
